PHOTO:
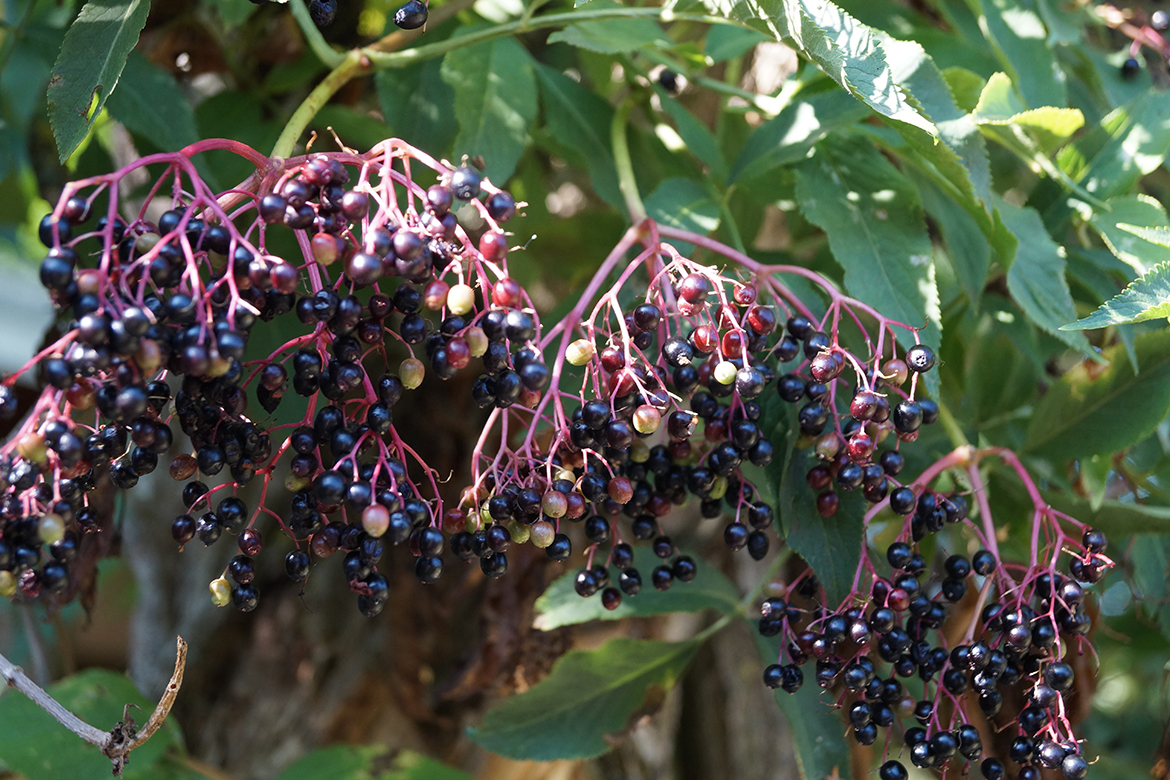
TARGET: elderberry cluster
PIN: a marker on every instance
(1019, 643)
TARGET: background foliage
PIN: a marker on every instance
(981, 167)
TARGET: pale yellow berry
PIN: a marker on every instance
(639, 451)
(221, 592)
(519, 532)
(435, 295)
(375, 519)
(542, 533)
(646, 419)
(31, 446)
(719, 489)
(8, 584)
(293, 483)
(580, 352)
(725, 372)
(411, 373)
(51, 528)
(477, 340)
(460, 299)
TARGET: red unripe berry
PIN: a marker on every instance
(613, 359)
(693, 289)
(732, 344)
(827, 503)
(705, 338)
(895, 372)
(819, 477)
(688, 309)
(454, 520)
(863, 405)
(899, 600)
(860, 447)
(458, 353)
(744, 294)
(827, 366)
(493, 246)
(620, 490)
(761, 320)
(726, 316)
(284, 277)
(506, 293)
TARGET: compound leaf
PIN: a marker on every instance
(88, 68)
(1146, 298)
(495, 102)
(1082, 415)
(560, 605)
(591, 698)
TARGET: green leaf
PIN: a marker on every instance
(967, 247)
(560, 605)
(1128, 211)
(791, 134)
(1159, 236)
(1036, 278)
(368, 762)
(495, 102)
(812, 722)
(831, 546)
(966, 87)
(841, 46)
(1146, 298)
(36, 746)
(579, 120)
(725, 42)
(1115, 518)
(1139, 139)
(699, 139)
(87, 70)
(151, 104)
(590, 699)
(614, 36)
(873, 217)
(1081, 416)
(417, 104)
(1050, 127)
(683, 203)
(1019, 37)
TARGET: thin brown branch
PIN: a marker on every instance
(116, 743)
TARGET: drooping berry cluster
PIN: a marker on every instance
(1020, 641)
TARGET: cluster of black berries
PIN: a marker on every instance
(1017, 643)
(142, 302)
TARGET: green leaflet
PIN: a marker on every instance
(91, 61)
(1080, 416)
(1019, 37)
(580, 121)
(560, 605)
(1146, 298)
(495, 102)
(683, 203)
(791, 134)
(590, 698)
(615, 36)
(873, 217)
(418, 104)
(812, 722)
(151, 104)
(1133, 210)
(845, 49)
(1138, 141)
(831, 546)
(1036, 278)
(1049, 127)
